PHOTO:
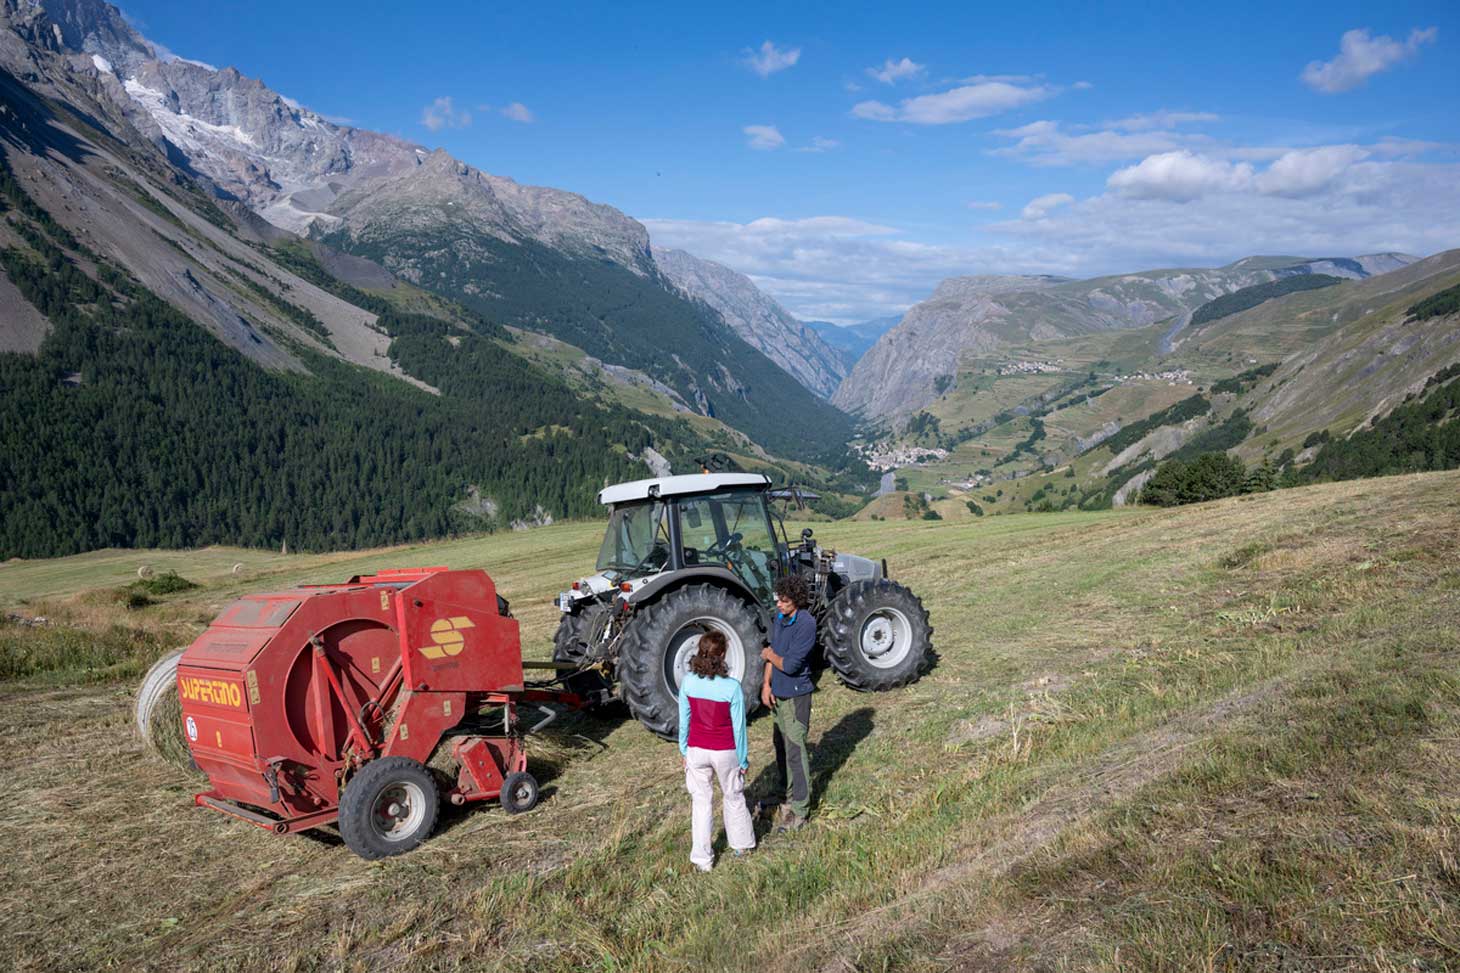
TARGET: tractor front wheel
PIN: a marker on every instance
(878, 636)
(663, 636)
(388, 807)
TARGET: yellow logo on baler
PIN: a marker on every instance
(446, 633)
(215, 691)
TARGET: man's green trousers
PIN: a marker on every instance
(793, 723)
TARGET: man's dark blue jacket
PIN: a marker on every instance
(793, 640)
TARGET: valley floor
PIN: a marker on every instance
(1221, 737)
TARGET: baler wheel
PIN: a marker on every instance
(519, 792)
(388, 807)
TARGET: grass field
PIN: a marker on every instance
(1221, 737)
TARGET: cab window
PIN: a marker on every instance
(730, 529)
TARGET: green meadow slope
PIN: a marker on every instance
(1216, 737)
(1051, 422)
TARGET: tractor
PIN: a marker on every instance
(685, 554)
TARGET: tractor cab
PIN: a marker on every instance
(682, 523)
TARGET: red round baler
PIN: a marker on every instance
(324, 703)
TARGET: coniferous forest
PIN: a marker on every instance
(135, 427)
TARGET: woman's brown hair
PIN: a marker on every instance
(709, 660)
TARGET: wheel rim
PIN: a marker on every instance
(886, 638)
(522, 794)
(398, 811)
(685, 642)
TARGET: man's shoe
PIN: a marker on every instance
(791, 822)
(703, 868)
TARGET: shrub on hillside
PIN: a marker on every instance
(1419, 435)
(1210, 476)
(1446, 301)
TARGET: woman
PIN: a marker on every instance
(712, 742)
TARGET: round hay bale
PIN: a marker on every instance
(159, 713)
(144, 572)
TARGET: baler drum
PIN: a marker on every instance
(364, 655)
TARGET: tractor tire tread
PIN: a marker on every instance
(641, 658)
(845, 615)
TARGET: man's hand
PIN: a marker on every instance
(765, 696)
(767, 654)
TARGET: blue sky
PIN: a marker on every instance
(850, 158)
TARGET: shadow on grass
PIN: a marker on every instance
(828, 755)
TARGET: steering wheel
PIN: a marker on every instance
(657, 557)
(726, 547)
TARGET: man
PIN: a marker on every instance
(787, 692)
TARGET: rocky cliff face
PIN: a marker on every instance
(297, 169)
(757, 318)
(438, 193)
(982, 314)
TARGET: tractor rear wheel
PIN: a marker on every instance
(388, 807)
(662, 637)
(878, 636)
(577, 637)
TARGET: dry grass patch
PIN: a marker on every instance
(1095, 644)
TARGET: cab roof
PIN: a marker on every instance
(671, 486)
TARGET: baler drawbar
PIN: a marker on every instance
(325, 703)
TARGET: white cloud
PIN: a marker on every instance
(961, 104)
(1045, 143)
(1048, 143)
(1041, 205)
(1361, 56)
(819, 144)
(829, 268)
(839, 268)
(764, 137)
(1182, 176)
(1303, 172)
(519, 112)
(1163, 119)
(1372, 206)
(442, 114)
(984, 205)
(892, 71)
(770, 59)
(1179, 175)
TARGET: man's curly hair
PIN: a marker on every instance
(793, 588)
